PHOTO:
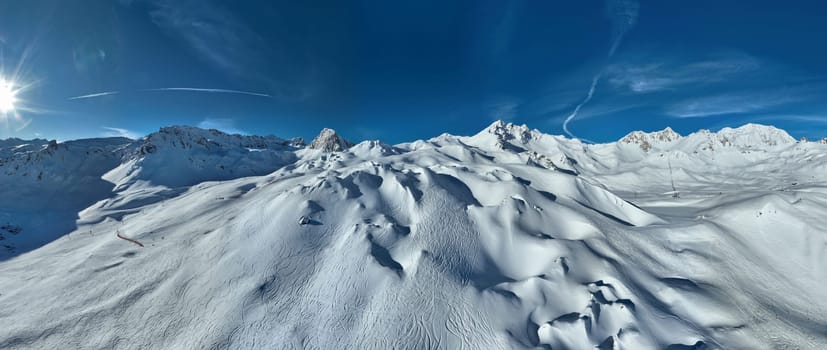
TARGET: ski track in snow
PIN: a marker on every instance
(509, 239)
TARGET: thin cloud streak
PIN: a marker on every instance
(623, 14)
(226, 125)
(214, 33)
(729, 104)
(222, 91)
(588, 98)
(223, 39)
(672, 74)
(503, 108)
(25, 123)
(98, 94)
(814, 118)
(119, 132)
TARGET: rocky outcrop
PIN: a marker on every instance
(329, 141)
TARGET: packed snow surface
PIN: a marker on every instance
(508, 239)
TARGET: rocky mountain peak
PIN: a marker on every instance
(646, 140)
(329, 141)
(509, 131)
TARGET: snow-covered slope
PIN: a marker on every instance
(508, 239)
(45, 185)
(182, 155)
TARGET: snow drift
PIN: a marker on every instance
(506, 239)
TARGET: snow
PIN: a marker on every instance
(507, 239)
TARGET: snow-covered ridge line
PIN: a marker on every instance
(748, 135)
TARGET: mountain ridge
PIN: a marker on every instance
(500, 127)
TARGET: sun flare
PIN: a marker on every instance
(7, 96)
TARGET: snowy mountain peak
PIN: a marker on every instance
(509, 131)
(329, 141)
(645, 140)
(9, 147)
(43, 159)
(188, 137)
(750, 135)
(183, 155)
(507, 135)
(373, 148)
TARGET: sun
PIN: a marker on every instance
(8, 96)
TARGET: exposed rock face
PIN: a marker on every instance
(508, 131)
(645, 140)
(329, 141)
(510, 136)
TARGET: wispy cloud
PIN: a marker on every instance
(213, 32)
(731, 104)
(24, 123)
(98, 94)
(503, 108)
(499, 35)
(225, 41)
(646, 74)
(119, 132)
(222, 91)
(796, 118)
(607, 108)
(623, 14)
(224, 124)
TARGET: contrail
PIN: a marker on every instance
(588, 98)
(99, 94)
(223, 91)
(623, 14)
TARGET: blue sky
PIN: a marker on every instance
(405, 70)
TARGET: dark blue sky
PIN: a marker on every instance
(404, 70)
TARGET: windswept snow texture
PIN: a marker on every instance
(508, 239)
